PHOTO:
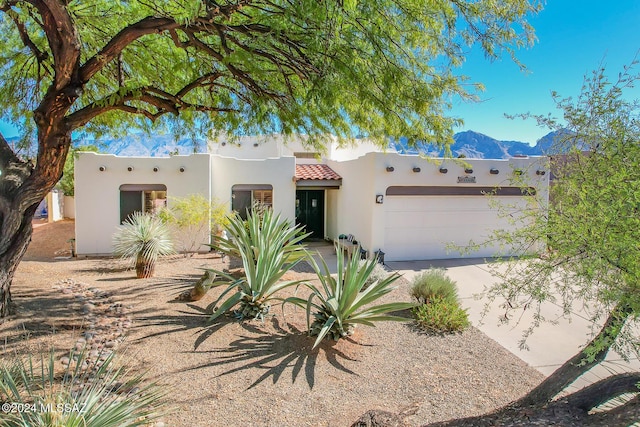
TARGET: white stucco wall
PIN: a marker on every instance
(365, 177)
(278, 172)
(97, 193)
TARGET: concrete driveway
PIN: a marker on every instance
(548, 347)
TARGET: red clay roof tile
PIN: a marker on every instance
(315, 172)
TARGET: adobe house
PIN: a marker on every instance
(407, 206)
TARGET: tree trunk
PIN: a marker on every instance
(144, 267)
(12, 255)
(22, 188)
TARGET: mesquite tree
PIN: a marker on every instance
(590, 258)
(355, 67)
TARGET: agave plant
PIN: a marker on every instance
(78, 397)
(344, 301)
(143, 238)
(268, 248)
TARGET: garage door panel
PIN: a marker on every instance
(426, 219)
(422, 227)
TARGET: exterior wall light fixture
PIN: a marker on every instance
(443, 170)
(390, 169)
(379, 199)
(416, 169)
(494, 171)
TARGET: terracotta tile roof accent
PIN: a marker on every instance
(315, 172)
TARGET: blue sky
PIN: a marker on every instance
(574, 38)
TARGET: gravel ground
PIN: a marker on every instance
(260, 374)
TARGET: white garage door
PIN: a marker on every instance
(424, 227)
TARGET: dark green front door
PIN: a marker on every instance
(310, 212)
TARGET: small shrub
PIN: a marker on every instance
(433, 283)
(191, 217)
(377, 274)
(441, 315)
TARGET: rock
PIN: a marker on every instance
(376, 418)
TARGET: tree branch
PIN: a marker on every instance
(604, 390)
(124, 38)
(164, 102)
(581, 362)
(620, 416)
(146, 26)
(63, 40)
(6, 154)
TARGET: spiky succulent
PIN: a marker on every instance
(143, 238)
(268, 248)
(345, 301)
(103, 397)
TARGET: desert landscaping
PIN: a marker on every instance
(250, 373)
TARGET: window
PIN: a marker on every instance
(306, 155)
(147, 198)
(244, 196)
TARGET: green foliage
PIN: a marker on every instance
(588, 238)
(441, 315)
(193, 216)
(67, 181)
(372, 67)
(104, 397)
(268, 248)
(433, 283)
(344, 302)
(378, 273)
(143, 238)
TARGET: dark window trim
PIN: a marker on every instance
(459, 191)
(249, 187)
(143, 187)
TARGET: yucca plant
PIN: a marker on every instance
(143, 238)
(77, 397)
(344, 301)
(268, 248)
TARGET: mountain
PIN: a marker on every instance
(471, 144)
(475, 145)
(143, 145)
